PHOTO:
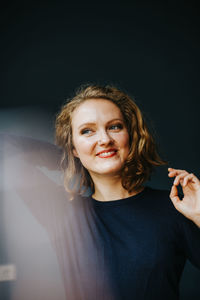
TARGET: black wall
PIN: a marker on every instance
(148, 48)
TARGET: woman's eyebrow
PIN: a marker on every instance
(87, 124)
(115, 120)
(93, 123)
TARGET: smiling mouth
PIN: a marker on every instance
(107, 154)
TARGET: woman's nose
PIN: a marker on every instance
(104, 138)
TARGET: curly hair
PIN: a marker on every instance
(142, 157)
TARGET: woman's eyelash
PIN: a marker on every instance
(86, 131)
(111, 127)
(116, 126)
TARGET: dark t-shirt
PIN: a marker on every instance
(146, 243)
(133, 248)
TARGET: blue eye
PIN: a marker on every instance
(116, 127)
(86, 131)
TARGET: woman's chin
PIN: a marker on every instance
(108, 171)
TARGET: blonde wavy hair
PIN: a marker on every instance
(142, 157)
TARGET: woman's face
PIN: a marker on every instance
(100, 137)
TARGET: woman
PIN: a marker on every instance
(125, 241)
(144, 239)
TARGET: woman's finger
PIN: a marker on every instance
(175, 172)
(189, 177)
(174, 195)
(179, 178)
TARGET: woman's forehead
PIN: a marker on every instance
(93, 109)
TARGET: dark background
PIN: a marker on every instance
(150, 49)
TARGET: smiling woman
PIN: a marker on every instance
(125, 240)
(141, 236)
(96, 130)
(100, 137)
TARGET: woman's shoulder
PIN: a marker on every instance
(158, 202)
(157, 196)
(161, 203)
(156, 192)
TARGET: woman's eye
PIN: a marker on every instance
(116, 127)
(86, 131)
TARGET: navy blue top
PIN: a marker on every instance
(132, 248)
(146, 243)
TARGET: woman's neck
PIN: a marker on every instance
(110, 188)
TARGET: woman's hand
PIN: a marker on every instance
(189, 206)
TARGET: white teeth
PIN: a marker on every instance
(106, 153)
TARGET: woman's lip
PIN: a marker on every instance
(107, 153)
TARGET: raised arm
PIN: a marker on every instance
(35, 152)
(26, 168)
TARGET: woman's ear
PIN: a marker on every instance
(75, 152)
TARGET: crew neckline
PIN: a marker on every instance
(118, 201)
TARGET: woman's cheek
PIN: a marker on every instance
(87, 144)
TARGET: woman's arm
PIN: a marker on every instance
(35, 152)
(22, 162)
